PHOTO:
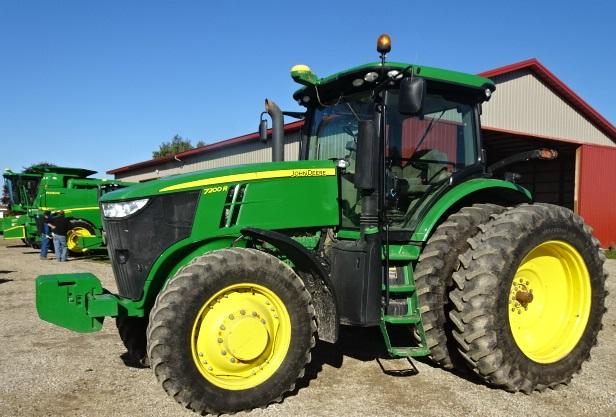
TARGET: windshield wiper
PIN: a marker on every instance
(352, 110)
(424, 135)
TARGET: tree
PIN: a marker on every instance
(30, 169)
(176, 145)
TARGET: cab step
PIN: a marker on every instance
(405, 319)
(401, 316)
(401, 288)
(409, 352)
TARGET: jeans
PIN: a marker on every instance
(44, 245)
(59, 243)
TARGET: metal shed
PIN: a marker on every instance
(532, 108)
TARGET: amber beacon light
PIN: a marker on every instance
(383, 44)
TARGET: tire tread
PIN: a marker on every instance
(433, 275)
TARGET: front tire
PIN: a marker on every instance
(231, 331)
(529, 298)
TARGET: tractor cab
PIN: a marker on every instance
(421, 152)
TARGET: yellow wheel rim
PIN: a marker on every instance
(72, 238)
(241, 336)
(549, 301)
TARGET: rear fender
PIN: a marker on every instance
(483, 190)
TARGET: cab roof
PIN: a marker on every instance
(77, 172)
(342, 83)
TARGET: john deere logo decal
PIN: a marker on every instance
(309, 173)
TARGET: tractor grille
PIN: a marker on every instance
(135, 242)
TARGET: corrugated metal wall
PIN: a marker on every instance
(522, 103)
(245, 153)
(596, 190)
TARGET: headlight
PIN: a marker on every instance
(123, 208)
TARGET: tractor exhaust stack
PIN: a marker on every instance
(277, 130)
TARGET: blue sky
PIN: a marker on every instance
(100, 84)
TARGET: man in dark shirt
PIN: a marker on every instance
(42, 226)
(60, 225)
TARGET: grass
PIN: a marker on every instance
(611, 253)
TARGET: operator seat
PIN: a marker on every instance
(420, 175)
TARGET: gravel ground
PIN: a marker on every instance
(49, 371)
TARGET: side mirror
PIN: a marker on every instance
(411, 95)
(367, 159)
(263, 130)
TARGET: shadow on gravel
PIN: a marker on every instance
(366, 344)
(17, 246)
(96, 256)
(3, 280)
(362, 343)
(460, 373)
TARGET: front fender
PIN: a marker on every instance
(173, 259)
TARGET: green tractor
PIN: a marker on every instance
(390, 218)
(51, 188)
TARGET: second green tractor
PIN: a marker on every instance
(391, 218)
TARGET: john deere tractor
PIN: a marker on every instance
(390, 218)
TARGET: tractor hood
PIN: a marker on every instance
(221, 176)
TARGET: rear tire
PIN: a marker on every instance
(517, 338)
(231, 331)
(433, 277)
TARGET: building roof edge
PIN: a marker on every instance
(561, 89)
